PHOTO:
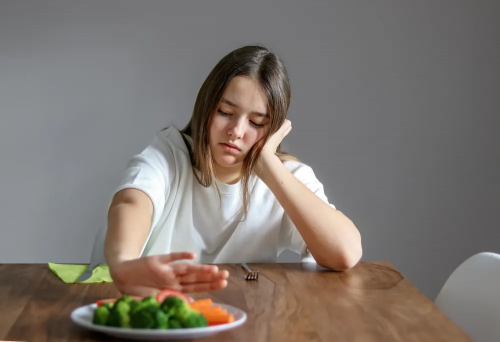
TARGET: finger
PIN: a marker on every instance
(288, 130)
(193, 278)
(165, 258)
(285, 128)
(204, 287)
(186, 268)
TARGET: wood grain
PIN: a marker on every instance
(290, 302)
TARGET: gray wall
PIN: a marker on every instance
(395, 106)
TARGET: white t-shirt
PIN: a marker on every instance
(190, 217)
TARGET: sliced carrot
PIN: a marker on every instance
(219, 319)
(212, 310)
(202, 303)
(214, 314)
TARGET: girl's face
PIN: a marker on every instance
(240, 121)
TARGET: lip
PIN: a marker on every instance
(231, 148)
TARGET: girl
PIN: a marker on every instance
(222, 191)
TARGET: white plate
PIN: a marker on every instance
(83, 316)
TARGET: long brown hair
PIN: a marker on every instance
(255, 62)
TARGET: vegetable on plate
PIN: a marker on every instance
(168, 310)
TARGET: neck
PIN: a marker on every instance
(228, 176)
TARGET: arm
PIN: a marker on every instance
(129, 219)
(330, 236)
(129, 222)
(141, 193)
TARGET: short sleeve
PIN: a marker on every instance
(290, 236)
(150, 171)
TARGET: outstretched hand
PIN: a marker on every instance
(149, 275)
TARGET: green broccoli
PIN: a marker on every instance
(149, 317)
(119, 315)
(125, 298)
(143, 317)
(174, 324)
(150, 300)
(181, 313)
(133, 305)
(109, 305)
(194, 320)
(176, 307)
(161, 319)
(146, 302)
(101, 315)
(173, 313)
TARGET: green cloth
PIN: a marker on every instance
(70, 273)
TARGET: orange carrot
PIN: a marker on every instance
(212, 311)
(202, 303)
(219, 319)
(214, 314)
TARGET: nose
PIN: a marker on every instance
(236, 129)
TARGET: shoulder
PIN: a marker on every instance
(172, 138)
(165, 153)
(167, 144)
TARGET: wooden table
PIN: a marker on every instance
(289, 302)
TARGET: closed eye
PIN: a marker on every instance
(256, 124)
(227, 114)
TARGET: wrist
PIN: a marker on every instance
(268, 162)
(118, 259)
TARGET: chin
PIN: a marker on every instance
(227, 161)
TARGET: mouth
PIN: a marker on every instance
(230, 147)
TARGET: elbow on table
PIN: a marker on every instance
(343, 260)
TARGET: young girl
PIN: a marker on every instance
(222, 191)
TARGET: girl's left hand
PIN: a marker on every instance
(273, 142)
(268, 153)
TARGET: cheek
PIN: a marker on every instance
(253, 136)
(215, 129)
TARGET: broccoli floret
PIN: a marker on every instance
(181, 313)
(150, 300)
(143, 317)
(146, 302)
(119, 315)
(133, 305)
(125, 298)
(108, 305)
(161, 319)
(149, 317)
(174, 324)
(176, 307)
(194, 320)
(101, 315)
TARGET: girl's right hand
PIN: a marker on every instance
(149, 275)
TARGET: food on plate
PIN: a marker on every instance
(168, 310)
(214, 314)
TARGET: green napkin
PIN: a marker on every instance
(70, 273)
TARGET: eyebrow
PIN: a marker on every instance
(236, 106)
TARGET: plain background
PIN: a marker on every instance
(395, 105)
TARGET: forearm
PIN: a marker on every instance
(331, 237)
(129, 222)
